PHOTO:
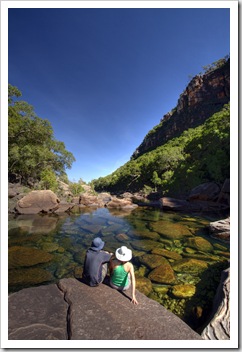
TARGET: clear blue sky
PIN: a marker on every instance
(105, 77)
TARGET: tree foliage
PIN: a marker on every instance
(200, 154)
(32, 148)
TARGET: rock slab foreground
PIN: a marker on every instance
(71, 310)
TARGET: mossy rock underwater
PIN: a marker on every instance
(26, 256)
(183, 291)
(163, 274)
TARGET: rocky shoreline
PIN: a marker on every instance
(46, 202)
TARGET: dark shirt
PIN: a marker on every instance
(92, 271)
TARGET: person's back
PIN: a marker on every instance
(119, 275)
(122, 271)
(95, 265)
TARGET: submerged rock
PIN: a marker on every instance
(171, 231)
(146, 245)
(194, 266)
(183, 291)
(151, 260)
(163, 274)
(144, 285)
(26, 256)
(166, 253)
(28, 276)
(199, 243)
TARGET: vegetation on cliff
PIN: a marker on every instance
(200, 154)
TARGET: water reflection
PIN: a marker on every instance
(175, 261)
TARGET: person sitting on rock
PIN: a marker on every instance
(96, 263)
(122, 271)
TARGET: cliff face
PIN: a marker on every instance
(205, 95)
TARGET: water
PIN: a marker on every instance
(176, 262)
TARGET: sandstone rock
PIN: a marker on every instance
(121, 203)
(219, 325)
(38, 313)
(122, 237)
(168, 203)
(224, 195)
(143, 285)
(63, 207)
(50, 247)
(151, 260)
(206, 191)
(26, 256)
(163, 274)
(220, 229)
(146, 245)
(104, 197)
(38, 201)
(28, 276)
(199, 243)
(146, 234)
(111, 229)
(72, 310)
(193, 266)
(90, 200)
(171, 231)
(167, 254)
(183, 291)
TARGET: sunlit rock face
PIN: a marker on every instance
(203, 96)
(38, 201)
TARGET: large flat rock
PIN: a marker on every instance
(37, 313)
(75, 311)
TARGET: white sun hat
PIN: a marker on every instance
(123, 254)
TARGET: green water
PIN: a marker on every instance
(44, 249)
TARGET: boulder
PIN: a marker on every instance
(151, 260)
(37, 313)
(193, 266)
(183, 291)
(163, 274)
(199, 243)
(219, 325)
(206, 191)
(220, 229)
(171, 231)
(224, 195)
(90, 200)
(38, 201)
(121, 203)
(144, 285)
(167, 254)
(63, 207)
(28, 277)
(168, 203)
(19, 256)
(72, 310)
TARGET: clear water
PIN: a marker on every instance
(46, 248)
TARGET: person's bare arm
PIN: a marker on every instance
(133, 282)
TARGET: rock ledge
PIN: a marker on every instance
(72, 310)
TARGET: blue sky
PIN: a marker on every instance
(105, 77)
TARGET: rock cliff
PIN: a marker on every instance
(205, 95)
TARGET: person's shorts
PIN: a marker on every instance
(104, 271)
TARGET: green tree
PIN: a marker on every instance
(156, 180)
(32, 147)
(48, 180)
